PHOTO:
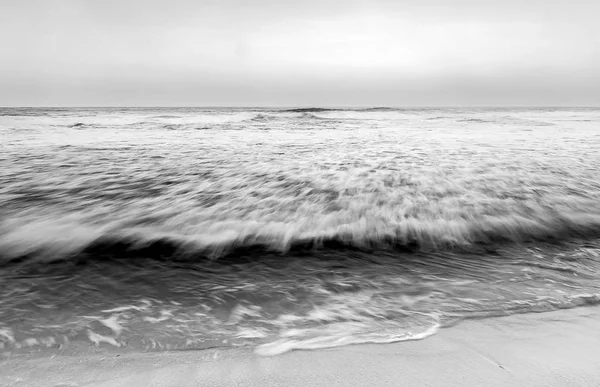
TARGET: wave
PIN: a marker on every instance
(82, 125)
(322, 110)
(54, 240)
(163, 122)
(29, 112)
(507, 120)
(311, 110)
(534, 123)
(263, 118)
(310, 116)
(476, 120)
(167, 116)
(379, 109)
(183, 127)
(298, 115)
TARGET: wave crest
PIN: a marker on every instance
(48, 240)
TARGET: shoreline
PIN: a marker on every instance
(557, 348)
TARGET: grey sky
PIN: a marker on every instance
(284, 53)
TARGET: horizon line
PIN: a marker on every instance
(332, 107)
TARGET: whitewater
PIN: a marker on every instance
(282, 229)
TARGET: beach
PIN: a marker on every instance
(283, 193)
(559, 348)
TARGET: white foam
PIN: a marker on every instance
(97, 339)
(344, 337)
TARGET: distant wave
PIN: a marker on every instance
(475, 120)
(167, 116)
(82, 125)
(507, 120)
(534, 122)
(379, 109)
(322, 110)
(174, 126)
(185, 127)
(311, 116)
(303, 115)
(29, 112)
(263, 118)
(311, 110)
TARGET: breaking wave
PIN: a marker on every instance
(50, 240)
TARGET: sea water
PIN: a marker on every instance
(280, 229)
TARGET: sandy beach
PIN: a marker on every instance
(559, 348)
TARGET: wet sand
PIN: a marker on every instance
(560, 348)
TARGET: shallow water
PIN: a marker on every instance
(282, 229)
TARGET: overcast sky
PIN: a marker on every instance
(299, 53)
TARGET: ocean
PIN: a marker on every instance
(153, 229)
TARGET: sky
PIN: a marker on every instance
(300, 53)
